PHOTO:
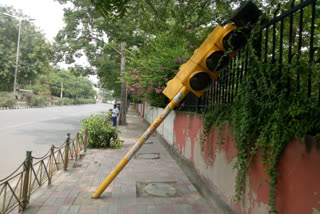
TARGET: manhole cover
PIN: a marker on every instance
(148, 156)
(160, 190)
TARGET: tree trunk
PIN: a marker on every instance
(123, 96)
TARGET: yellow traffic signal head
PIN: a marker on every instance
(213, 56)
(204, 66)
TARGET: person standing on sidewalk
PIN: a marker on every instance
(115, 113)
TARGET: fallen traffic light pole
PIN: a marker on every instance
(198, 73)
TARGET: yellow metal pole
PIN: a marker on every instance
(173, 103)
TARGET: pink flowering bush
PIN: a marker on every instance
(153, 66)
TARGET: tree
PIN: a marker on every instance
(49, 84)
(34, 55)
(143, 25)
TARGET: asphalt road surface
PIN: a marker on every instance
(37, 129)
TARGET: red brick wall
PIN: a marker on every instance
(298, 185)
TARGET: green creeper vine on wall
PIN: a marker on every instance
(265, 116)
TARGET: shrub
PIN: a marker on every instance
(80, 101)
(38, 101)
(7, 99)
(63, 101)
(69, 101)
(101, 134)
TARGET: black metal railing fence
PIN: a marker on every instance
(290, 38)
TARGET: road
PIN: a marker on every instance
(37, 129)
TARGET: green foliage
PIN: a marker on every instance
(73, 87)
(265, 116)
(151, 29)
(7, 99)
(106, 95)
(108, 69)
(217, 119)
(101, 134)
(34, 53)
(153, 65)
(62, 101)
(39, 101)
(49, 84)
(79, 101)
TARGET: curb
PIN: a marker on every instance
(18, 107)
(27, 107)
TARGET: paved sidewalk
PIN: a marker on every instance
(71, 190)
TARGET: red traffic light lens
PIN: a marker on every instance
(234, 40)
(217, 61)
(200, 81)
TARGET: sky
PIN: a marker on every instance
(48, 14)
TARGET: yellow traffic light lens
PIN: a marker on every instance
(200, 81)
(234, 40)
(217, 61)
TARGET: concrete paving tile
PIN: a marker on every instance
(127, 209)
(38, 202)
(48, 210)
(151, 209)
(128, 194)
(37, 194)
(184, 208)
(201, 207)
(88, 210)
(59, 202)
(73, 194)
(103, 209)
(166, 208)
(144, 201)
(63, 210)
(46, 194)
(69, 201)
(31, 209)
(49, 202)
(160, 201)
(113, 209)
(141, 209)
(179, 200)
(73, 209)
(60, 194)
(128, 201)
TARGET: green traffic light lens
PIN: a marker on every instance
(217, 61)
(234, 40)
(200, 81)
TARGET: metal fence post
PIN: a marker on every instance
(51, 165)
(25, 189)
(85, 140)
(77, 147)
(66, 152)
(198, 105)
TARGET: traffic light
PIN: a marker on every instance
(214, 54)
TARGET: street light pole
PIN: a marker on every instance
(17, 59)
(123, 95)
(18, 46)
